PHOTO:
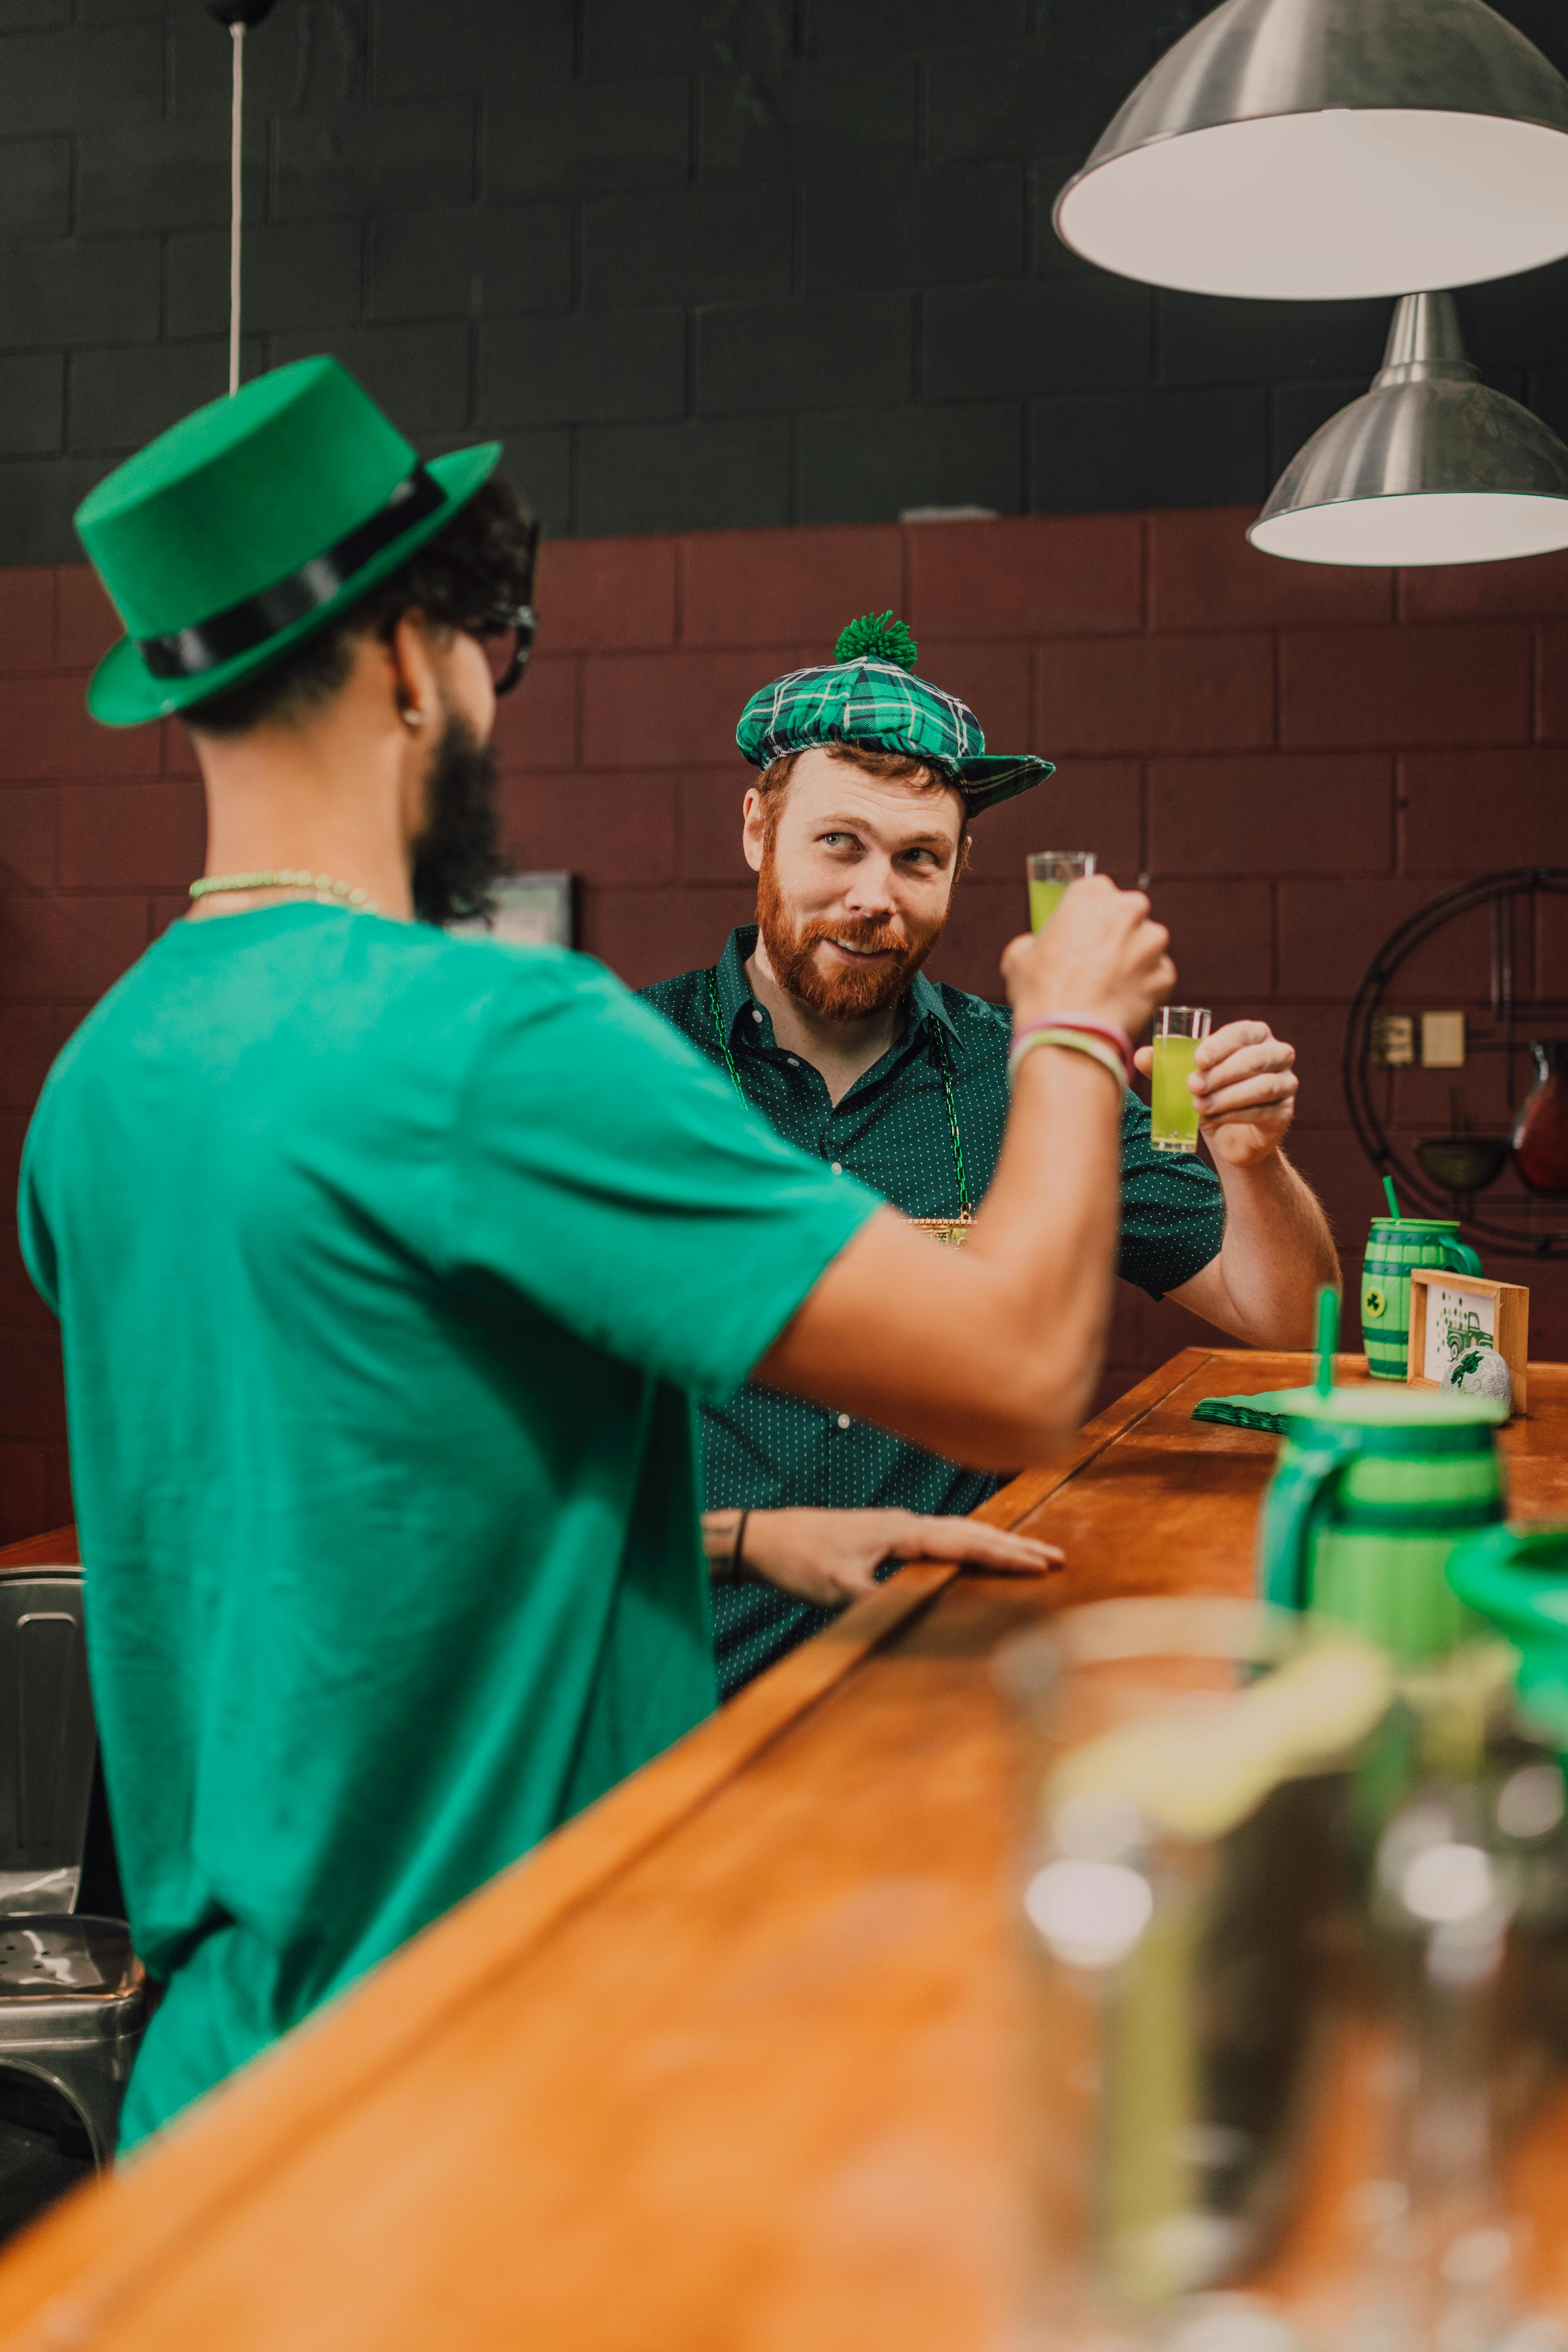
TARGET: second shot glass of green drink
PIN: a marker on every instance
(1051, 871)
(1173, 1114)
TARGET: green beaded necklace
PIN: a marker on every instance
(949, 1229)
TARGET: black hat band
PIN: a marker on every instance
(250, 623)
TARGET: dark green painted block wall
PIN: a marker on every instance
(701, 262)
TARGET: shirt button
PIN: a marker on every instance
(839, 1166)
(791, 1061)
(755, 1014)
(844, 1421)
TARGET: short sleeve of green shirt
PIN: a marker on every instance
(604, 1168)
(1173, 1211)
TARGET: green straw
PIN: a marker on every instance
(1390, 1196)
(1328, 1337)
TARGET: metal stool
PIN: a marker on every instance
(73, 2003)
(73, 1995)
(46, 1762)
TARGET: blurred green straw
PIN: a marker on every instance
(1328, 1337)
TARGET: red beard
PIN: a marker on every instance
(839, 991)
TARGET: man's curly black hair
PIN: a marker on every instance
(471, 575)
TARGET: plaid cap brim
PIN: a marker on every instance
(985, 782)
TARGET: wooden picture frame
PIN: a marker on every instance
(531, 910)
(1498, 1311)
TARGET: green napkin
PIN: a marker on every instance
(1270, 1409)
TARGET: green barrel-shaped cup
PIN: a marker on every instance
(1372, 1492)
(1517, 1580)
(1393, 1246)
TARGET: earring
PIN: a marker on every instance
(412, 717)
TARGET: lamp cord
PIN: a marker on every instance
(234, 192)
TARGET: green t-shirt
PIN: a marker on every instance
(386, 1264)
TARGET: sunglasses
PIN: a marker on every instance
(506, 635)
(507, 641)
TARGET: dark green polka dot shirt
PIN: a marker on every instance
(766, 1452)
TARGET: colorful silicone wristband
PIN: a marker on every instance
(1075, 1041)
(1092, 1026)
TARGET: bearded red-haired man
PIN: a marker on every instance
(858, 829)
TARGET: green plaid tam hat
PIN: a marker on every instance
(870, 696)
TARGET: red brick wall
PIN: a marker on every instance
(1297, 758)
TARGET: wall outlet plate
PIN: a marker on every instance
(1442, 1041)
(1393, 1041)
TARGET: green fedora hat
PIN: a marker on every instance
(250, 525)
(870, 696)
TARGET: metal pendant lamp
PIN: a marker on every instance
(1430, 467)
(1323, 149)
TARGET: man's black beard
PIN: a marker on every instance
(457, 858)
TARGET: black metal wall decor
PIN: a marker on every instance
(1525, 1158)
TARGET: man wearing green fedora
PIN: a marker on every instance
(821, 1016)
(388, 1263)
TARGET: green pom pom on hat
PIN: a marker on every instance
(870, 696)
(877, 637)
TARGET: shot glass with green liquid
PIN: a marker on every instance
(1050, 872)
(1174, 1115)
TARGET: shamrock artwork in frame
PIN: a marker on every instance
(1456, 1322)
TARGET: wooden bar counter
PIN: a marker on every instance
(719, 2068)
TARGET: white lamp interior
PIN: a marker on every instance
(1445, 527)
(1323, 206)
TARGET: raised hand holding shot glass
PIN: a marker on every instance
(1174, 1115)
(1246, 1089)
(1051, 873)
